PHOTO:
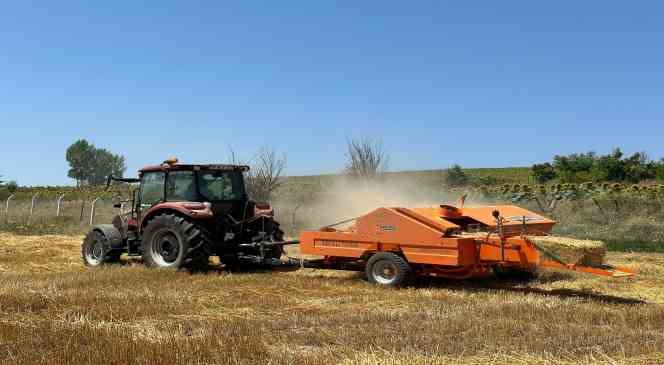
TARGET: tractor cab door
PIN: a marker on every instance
(151, 192)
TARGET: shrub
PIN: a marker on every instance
(659, 170)
(543, 172)
(488, 180)
(455, 177)
(11, 186)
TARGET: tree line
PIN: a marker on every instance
(590, 166)
(576, 168)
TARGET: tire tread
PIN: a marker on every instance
(195, 238)
(405, 274)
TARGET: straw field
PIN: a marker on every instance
(54, 310)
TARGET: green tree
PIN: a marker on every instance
(11, 186)
(543, 172)
(105, 164)
(659, 169)
(608, 167)
(574, 167)
(80, 156)
(639, 167)
(455, 177)
(91, 165)
(583, 167)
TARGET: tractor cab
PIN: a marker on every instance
(219, 187)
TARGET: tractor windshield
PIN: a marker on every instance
(221, 185)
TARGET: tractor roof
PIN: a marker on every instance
(166, 166)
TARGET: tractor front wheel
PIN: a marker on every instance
(170, 241)
(388, 269)
(95, 250)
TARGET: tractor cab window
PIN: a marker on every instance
(180, 186)
(221, 185)
(152, 188)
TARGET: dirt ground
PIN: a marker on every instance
(54, 310)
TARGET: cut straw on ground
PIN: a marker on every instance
(53, 310)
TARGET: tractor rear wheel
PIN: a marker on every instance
(96, 251)
(388, 269)
(170, 241)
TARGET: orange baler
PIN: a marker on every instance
(393, 244)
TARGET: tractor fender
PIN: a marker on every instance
(188, 210)
(112, 234)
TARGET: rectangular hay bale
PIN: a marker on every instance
(573, 250)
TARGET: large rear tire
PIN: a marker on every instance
(96, 250)
(172, 242)
(388, 269)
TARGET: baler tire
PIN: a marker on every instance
(188, 251)
(387, 261)
(95, 250)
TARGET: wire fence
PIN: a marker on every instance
(36, 210)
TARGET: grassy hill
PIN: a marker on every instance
(304, 188)
(502, 175)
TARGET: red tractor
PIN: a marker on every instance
(181, 214)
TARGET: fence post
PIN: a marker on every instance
(83, 201)
(7, 208)
(57, 212)
(293, 225)
(32, 205)
(92, 210)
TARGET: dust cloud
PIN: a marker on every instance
(347, 198)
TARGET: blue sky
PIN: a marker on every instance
(479, 83)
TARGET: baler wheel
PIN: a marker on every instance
(388, 269)
(95, 250)
(171, 241)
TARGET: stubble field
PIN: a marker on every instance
(54, 310)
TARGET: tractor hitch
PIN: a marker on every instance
(268, 244)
